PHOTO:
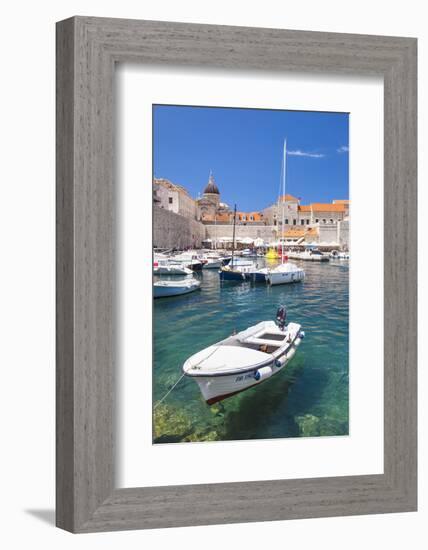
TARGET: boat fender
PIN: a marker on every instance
(278, 363)
(263, 373)
(302, 334)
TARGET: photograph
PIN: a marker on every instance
(251, 260)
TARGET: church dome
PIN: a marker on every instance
(211, 186)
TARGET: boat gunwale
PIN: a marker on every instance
(245, 370)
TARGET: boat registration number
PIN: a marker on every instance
(242, 377)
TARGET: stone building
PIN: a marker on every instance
(173, 197)
(311, 223)
(302, 215)
(212, 210)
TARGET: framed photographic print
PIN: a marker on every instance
(236, 274)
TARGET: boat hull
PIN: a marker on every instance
(217, 388)
(285, 277)
(166, 292)
(172, 270)
(217, 264)
(255, 277)
(309, 257)
(230, 275)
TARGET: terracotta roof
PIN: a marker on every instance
(218, 218)
(223, 217)
(341, 201)
(294, 232)
(257, 216)
(322, 207)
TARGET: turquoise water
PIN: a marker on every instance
(308, 398)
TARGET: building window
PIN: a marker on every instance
(307, 221)
(170, 200)
(294, 221)
(274, 222)
(324, 221)
(302, 222)
(316, 220)
(252, 218)
(286, 221)
(331, 220)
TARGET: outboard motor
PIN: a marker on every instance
(281, 317)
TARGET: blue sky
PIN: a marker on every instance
(243, 148)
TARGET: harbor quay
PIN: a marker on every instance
(181, 222)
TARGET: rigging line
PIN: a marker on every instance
(168, 392)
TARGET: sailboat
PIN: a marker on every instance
(236, 269)
(285, 272)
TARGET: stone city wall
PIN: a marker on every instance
(265, 232)
(344, 234)
(335, 233)
(171, 230)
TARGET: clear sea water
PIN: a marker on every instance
(309, 398)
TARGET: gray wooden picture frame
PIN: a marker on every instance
(87, 51)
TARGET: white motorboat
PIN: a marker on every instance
(163, 289)
(168, 267)
(214, 262)
(337, 255)
(242, 262)
(310, 255)
(285, 273)
(245, 359)
(189, 260)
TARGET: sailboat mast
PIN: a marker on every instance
(233, 236)
(284, 167)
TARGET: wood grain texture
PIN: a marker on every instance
(87, 50)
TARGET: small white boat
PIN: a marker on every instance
(214, 262)
(242, 262)
(285, 273)
(167, 267)
(245, 359)
(163, 289)
(190, 261)
(309, 255)
(337, 255)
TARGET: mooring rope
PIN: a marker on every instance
(168, 392)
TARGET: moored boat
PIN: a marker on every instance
(164, 289)
(215, 262)
(190, 261)
(313, 255)
(235, 270)
(245, 359)
(337, 255)
(285, 273)
(167, 267)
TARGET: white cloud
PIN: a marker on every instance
(343, 149)
(299, 153)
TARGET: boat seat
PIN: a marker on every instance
(264, 341)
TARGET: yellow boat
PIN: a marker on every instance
(272, 254)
